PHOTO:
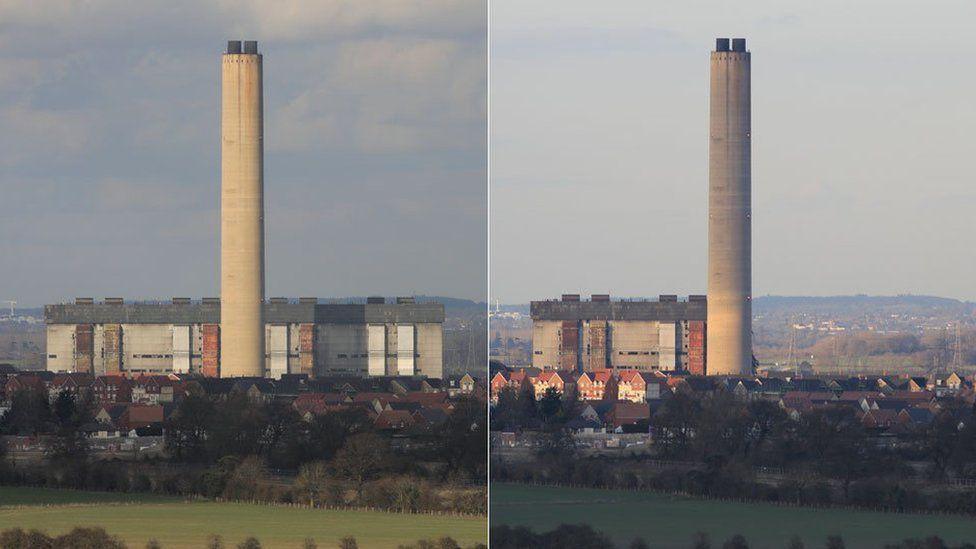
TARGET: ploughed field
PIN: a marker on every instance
(671, 522)
(177, 523)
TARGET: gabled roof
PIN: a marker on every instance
(808, 384)
(859, 395)
(921, 416)
(112, 381)
(913, 396)
(633, 376)
(879, 418)
(773, 384)
(263, 385)
(895, 404)
(432, 416)
(629, 412)
(408, 406)
(855, 384)
(550, 377)
(31, 381)
(393, 419)
(424, 398)
(317, 403)
(74, 379)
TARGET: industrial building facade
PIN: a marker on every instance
(599, 334)
(305, 337)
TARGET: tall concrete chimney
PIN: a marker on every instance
(241, 212)
(729, 349)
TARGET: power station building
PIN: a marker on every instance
(375, 338)
(241, 334)
(600, 334)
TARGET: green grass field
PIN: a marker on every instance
(178, 524)
(670, 522)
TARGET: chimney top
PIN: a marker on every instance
(721, 44)
(234, 46)
(251, 46)
(739, 44)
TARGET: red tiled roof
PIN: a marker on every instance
(393, 419)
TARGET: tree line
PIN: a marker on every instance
(724, 447)
(99, 538)
(233, 447)
(584, 536)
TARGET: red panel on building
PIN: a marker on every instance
(568, 345)
(598, 345)
(113, 348)
(211, 350)
(306, 352)
(696, 347)
(84, 345)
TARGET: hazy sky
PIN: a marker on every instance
(375, 137)
(863, 146)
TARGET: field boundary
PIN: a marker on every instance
(201, 499)
(698, 497)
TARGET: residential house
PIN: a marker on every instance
(517, 380)
(112, 389)
(597, 385)
(394, 420)
(465, 385)
(156, 389)
(549, 379)
(77, 384)
(639, 387)
(624, 414)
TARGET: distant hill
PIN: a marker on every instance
(854, 303)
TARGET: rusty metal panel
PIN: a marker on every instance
(568, 345)
(112, 347)
(306, 353)
(211, 350)
(597, 345)
(696, 347)
(84, 345)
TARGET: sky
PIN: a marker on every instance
(375, 140)
(863, 115)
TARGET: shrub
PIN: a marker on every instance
(250, 543)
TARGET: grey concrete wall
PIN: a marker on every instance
(61, 348)
(618, 310)
(635, 344)
(342, 349)
(209, 313)
(545, 344)
(147, 348)
(430, 350)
